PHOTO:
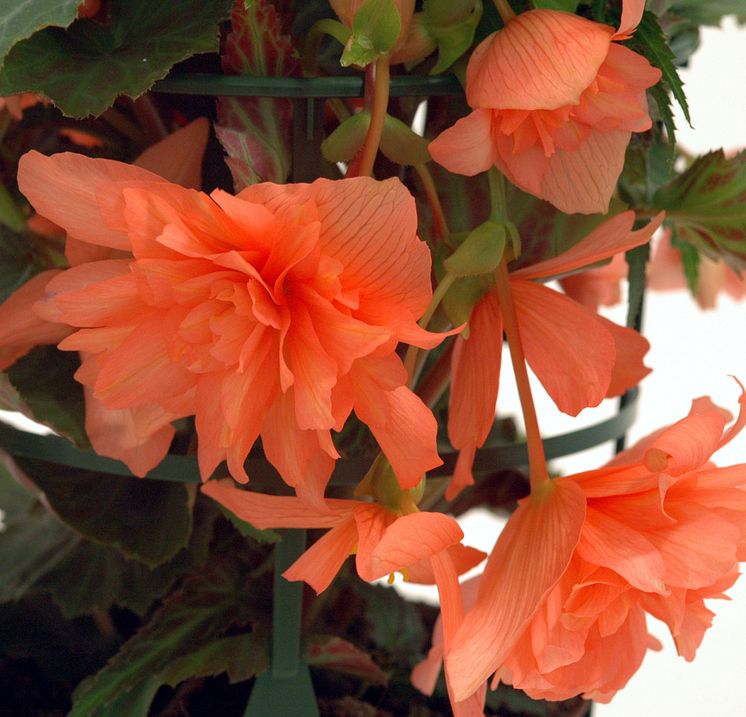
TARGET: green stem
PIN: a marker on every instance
(377, 117)
(537, 464)
(498, 201)
(410, 359)
(310, 54)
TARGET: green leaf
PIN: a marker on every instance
(20, 19)
(690, 260)
(85, 68)
(48, 393)
(650, 40)
(202, 610)
(452, 24)
(565, 5)
(241, 656)
(144, 519)
(256, 132)
(396, 626)
(133, 703)
(375, 29)
(334, 653)
(706, 13)
(94, 577)
(479, 253)
(707, 205)
(347, 138)
(401, 144)
(32, 542)
(18, 261)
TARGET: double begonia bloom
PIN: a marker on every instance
(555, 101)
(579, 357)
(275, 312)
(562, 602)
(425, 547)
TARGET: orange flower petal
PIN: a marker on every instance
(631, 15)
(613, 236)
(64, 189)
(178, 157)
(631, 348)
(541, 60)
(466, 148)
(547, 529)
(571, 352)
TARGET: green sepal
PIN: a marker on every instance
(461, 297)
(452, 24)
(347, 139)
(375, 29)
(479, 253)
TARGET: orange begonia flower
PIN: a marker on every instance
(562, 602)
(274, 312)
(579, 357)
(424, 547)
(140, 436)
(555, 100)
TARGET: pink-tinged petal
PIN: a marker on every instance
(740, 421)
(617, 479)
(319, 565)
(475, 369)
(20, 327)
(464, 559)
(631, 348)
(512, 588)
(413, 538)
(141, 371)
(80, 252)
(466, 147)
(370, 228)
(93, 294)
(613, 236)
(571, 352)
(699, 549)
(275, 511)
(541, 60)
(404, 427)
(371, 521)
(631, 15)
(178, 157)
(425, 673)
(297, 454)
(140, 437)
(687, 444)
(613, 544)
(594, 288)
(582, 180)
(64, 189)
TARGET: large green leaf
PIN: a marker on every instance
(710, 12)
(241, 656)
(20, 19)
(707, 206)
(95, 577)
(18, 261)
(202, 610)
(47, 393)
(451, 24)
(85, 67)
(147, 520)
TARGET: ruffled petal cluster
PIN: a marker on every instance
(562, 603)
(555, 101)
(579, 357)
(275, 312)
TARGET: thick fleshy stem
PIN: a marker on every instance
(537, 464)
(431, 194)
(378, 108)
(506, 12)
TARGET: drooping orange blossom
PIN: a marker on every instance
(274, 312)
(138, 436)
(579, 357)
(562, 601)
(555, 101)
(425, 547)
